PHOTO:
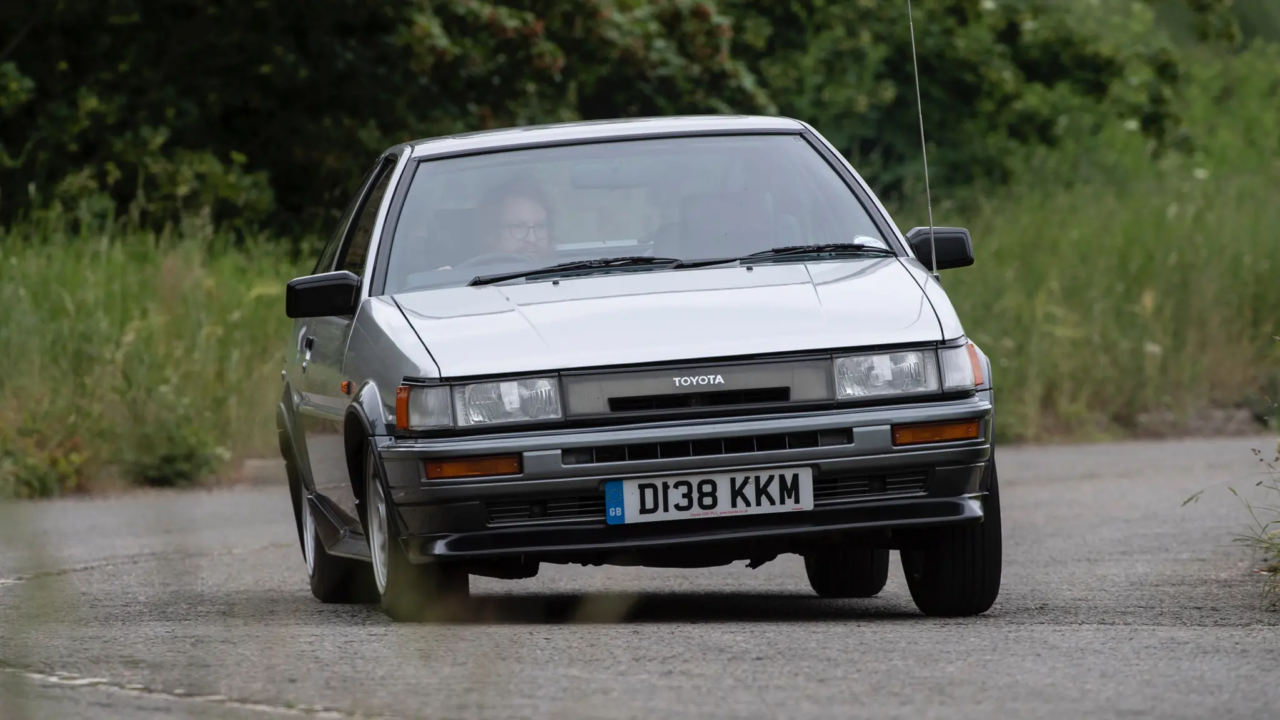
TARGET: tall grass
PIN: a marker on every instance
(1110, 284)
(148, 357)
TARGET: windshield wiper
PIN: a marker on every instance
(579, 266)
(828, 248)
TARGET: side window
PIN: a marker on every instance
(361, 234)
(330, 252)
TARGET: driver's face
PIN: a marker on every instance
(523, 229)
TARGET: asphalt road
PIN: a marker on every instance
(1116, 602)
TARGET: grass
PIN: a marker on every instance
(1109, 284)
(1264, 528)
(143, 357)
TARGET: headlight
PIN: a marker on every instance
(961, 368)
(900, 373)
(422, 408)
(507, 401)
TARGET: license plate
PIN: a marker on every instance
(754, 492)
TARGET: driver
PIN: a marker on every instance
(515, 220)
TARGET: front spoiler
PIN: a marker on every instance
(606, 540)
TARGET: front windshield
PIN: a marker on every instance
(688, 198)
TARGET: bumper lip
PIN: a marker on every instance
(544, 469)
(536, 542)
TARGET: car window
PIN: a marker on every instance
(330, 252)
(689, 197)
(357, 249)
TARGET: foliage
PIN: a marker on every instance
(153, 356)
(1109, 286)
(268, 110)
(994, 76)
(174, 106)
(32, 466)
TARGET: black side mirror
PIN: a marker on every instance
(955, 248)
(323, 295)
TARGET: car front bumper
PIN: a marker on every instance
(554, 509)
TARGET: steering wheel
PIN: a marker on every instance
(493, 259)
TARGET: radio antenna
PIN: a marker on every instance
(924, 148)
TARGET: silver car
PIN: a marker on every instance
(676, 342)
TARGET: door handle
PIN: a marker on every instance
(307, 344)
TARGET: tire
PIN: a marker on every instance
(408, 592)
(333, 579)
(955, 571)
(847, 571)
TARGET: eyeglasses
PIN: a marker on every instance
(521, 232)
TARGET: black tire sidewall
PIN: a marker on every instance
(955, 571)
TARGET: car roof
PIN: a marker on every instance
(596, 130)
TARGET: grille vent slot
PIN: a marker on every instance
(684, 401)
(840, 488)
(562, 508)
(705, 448)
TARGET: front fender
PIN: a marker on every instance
(371, 410)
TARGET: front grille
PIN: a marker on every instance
(682, 401)
(839, 488)
(564, 508)
(704, 448)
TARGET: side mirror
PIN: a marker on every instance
(955, 248)
(323, 295)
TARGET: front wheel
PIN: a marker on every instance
(333, 579)
(408, 592)
(955, 571)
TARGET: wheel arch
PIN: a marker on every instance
(364, 421)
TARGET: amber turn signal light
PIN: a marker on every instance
(402, 407)
(473, 467)
(936, 432)
(978, 379)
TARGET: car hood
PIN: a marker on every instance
(662, 316)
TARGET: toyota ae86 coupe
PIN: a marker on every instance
(676, 342)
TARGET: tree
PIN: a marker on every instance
(276, 106)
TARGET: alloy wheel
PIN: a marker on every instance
(378, 534)
(308, 533)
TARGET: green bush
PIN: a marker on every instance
(31, 466)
